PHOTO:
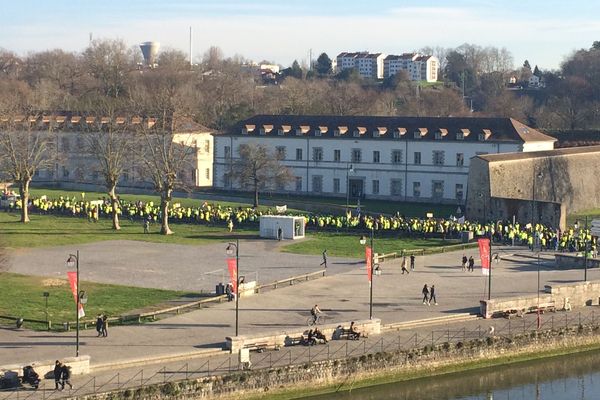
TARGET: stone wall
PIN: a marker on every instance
(579, 294)
(79, 366)
(335, 372)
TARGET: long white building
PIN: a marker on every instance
(394, 158)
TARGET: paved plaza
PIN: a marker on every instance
(343, 293)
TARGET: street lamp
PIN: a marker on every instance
(73, 261)
(234, 248)
(349, 168)
(537, 176)
(485, 235)
(363, 241)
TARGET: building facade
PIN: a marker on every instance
(391, 158)
(368, 65)
(76, 164)
(418, 67)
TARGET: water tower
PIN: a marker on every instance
(149, 51)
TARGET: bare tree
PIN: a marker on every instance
(111, 146)
(257, 168)
(164, 156)
(24, 149)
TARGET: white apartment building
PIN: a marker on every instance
(368, 65)
(419, 67)
(392, 158)
(76, 165)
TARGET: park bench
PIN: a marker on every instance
(349, 335)
(544, 307)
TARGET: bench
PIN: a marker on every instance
(543, 307)
(260, 347)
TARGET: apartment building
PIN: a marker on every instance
(419, 67)
(368, 65)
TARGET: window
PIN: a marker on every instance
(375, 187)
(460, 135)
(460, 159)
(416, 189)
(280, 152)
(227, 151)
(317, 183)
(417, 158)
(95, 175)
(438, 157)
(298, 184)
(317, 154)
(396, 156)
(396, 187)
(298, 154)
(317, 132)
(336, 185)
(65, 172)
(65, 144)
(79, 143)
(207, 146)
(459, 191)
(437, 189)
(417, 135)
(337, 155)
(356, 155)
(125, 176)
(207, 173)
(376, 157)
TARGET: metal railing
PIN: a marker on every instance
(296, 355)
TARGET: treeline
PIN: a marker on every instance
(220, 91)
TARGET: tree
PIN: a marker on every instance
(109, 61)
(295, 71)
(258, 168)
(537, 72)
(111, 147)
(526, 65)
(323, 65)
(24, 150)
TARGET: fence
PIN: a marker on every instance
(338, 349)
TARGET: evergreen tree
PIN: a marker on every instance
(537, 72)
(323, 65)
(527, 65)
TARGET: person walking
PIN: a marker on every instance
(464, 263)
(104, 325)
(412, 262)
(425, 292)
(404, 266)
(279, 234)
(57, 374)
(432, 298)
(324, 263)
(99, 325)
(471, 264)
(65, 375)
(146, 226)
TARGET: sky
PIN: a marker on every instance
(544, 32)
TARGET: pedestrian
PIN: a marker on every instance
(432, 298)
(65, 374)
(404, 266)
(471, 264)
(279, 234)
(230, 225)
(146, 226)
(412, 262)
(99, 324)
(57, 374)
(324, 263)
(464, 263)
(229, 292)
(104, 325)
(425, 292)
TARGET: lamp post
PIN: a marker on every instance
(349, 168)
(585, 250)
(485, 235)
(73, 261)
(537, 176)
(363, 241)
(231, 249)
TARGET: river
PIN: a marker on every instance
(572, 377)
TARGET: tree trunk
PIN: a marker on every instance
(165, 199)
(255, 194)
(114, 202)
(24, 193)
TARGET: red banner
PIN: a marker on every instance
(232, 267)
(484, 254)
(369, 258)
(73, 282)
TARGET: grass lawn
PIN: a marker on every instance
(47, 230)
(22, 296)
(580, 216)
(347, 245)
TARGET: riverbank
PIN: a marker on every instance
(292, 381)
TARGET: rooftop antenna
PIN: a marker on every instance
(191, 64)
(91, 37)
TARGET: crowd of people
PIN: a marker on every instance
(573, 238)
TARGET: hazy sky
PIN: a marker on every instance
(542, 31)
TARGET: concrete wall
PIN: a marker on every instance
(334, 374)
(45, 369)
(579, 294)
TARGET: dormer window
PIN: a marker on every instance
(460, 136)
(438, 136)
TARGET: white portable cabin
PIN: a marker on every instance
(291, 227)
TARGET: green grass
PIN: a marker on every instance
(580, 216)
(47, 230)
(347, 245)
(22, 296)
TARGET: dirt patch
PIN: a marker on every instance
(53, 282)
